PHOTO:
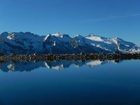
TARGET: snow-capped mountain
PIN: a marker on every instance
(20, 43)
(29, 43)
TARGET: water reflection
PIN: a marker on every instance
(55, 65)
(92, 83)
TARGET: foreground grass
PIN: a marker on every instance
(51, 57)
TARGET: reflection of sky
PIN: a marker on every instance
(110, 83)
(109, 18)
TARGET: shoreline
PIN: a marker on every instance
(51, 57)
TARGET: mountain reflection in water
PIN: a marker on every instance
(55, 65)
(78, 83)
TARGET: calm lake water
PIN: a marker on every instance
(70, 83)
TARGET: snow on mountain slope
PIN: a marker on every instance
(113, 44)
(28, 43)
(95, 38)
(58, 36)
(124, 46)
(102, 42)
(20, 43)
(86, 46)
(57, 44)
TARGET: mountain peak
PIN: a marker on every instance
(58, 34)
(117, 38)
(95, 38)
(11, 36)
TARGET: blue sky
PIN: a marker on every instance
(120, 18)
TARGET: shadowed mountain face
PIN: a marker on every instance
(29, 43)
(54, 65)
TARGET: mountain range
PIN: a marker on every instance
(29, 43)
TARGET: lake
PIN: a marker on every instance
(70, 83)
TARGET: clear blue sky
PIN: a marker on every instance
(109, 18)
